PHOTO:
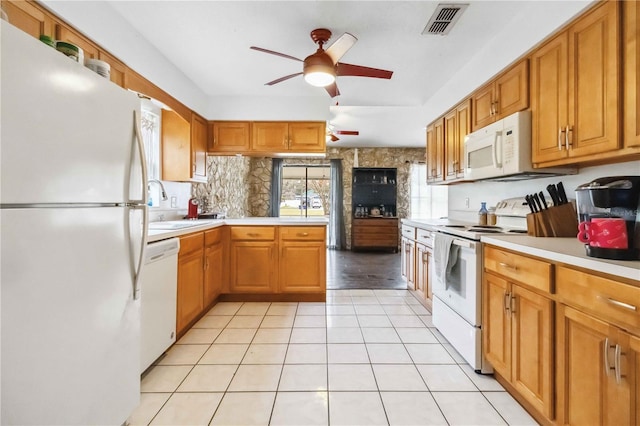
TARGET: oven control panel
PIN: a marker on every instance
(513, 207)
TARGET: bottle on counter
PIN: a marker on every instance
(491, 216)
(483, 213)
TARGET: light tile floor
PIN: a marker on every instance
(365, 357)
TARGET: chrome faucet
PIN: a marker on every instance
(162, 190)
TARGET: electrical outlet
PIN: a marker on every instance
(466, 202)
(174, 202)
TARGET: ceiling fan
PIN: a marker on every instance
(331, 133)
(322, 67)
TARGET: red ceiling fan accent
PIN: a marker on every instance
(332, 55)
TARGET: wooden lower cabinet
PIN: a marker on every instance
(422, 284)
(407, 261)
(302, 259)
(597, 371)
(374, 234)
(518, 340)
(213, 265)
(190, 280)
(253, 259)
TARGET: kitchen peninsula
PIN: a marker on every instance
(248, 259)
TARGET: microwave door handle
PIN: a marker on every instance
(496, 164)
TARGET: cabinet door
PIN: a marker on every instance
(229, 136)
(254, 267)
(496, 333)
(307, 137)
(269, 136)
(593, 82)
(403, 258)
(532, 348)
(549, 100)
(634, 367)
(213, 269)
(482, 107)
(66, 34)
(422, 271)
(302, 266)
(175, 135)
(411, 264)
(451, 144)
(463, 121)
(631, 74)
(198, 148)
(512, 90)
(118, 69)
(435, 152)
(190, 297)
(588, 392)
(27, 16)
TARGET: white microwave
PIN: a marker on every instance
(502, 151)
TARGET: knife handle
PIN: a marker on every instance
(562, 195)
(544, 202)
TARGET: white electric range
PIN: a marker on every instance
(457, 292)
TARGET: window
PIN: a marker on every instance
(305, 191)
(427, 201)
(150, 128)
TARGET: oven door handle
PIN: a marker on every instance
(464, 243)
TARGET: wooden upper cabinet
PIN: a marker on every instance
(66, 34)
(175, 138)
(118, 69)
(457, 125)
(269, 136)
(506, 94)
(593, 81)
(575, 84)
(199, 129)
(282, 136)
(229, 136)
(29, 18)
(307, 136)
(435, 151)
(631, 75)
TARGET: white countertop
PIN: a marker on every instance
(564, 250)
(157, 235)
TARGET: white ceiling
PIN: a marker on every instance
(208, 42)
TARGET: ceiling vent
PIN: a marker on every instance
(443, 19)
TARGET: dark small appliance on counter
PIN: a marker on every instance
(609, 217)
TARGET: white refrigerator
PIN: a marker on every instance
(73, 230)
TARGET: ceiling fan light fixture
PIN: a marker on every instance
(319, 70)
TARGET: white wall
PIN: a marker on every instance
(493, 192)
(311, 108)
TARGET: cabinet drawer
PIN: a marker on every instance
(263, 233)
(303, 233)
(376, 222)
(191, 243)
(425, 237)
(409, 232)
(212, 236)
(375, 240)
(375, 230)
(531, 272)
(611, 300)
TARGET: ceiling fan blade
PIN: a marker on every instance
(260, 49)
(334, 138)
(281, 79)
(340, 47)
(332, 89)
(347, 132)
(343, 69)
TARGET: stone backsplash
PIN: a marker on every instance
(241, 185)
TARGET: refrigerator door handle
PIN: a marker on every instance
(143, 159)
(143, 245)
(142, 205)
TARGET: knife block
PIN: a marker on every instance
(556, 221)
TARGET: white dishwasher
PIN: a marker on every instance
(158, 298)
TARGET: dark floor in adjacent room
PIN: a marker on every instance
(368, 270)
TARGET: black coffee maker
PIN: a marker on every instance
(610, 199)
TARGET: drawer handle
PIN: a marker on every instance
(302, 234)
(622, 304)
(253, 234)
(506, 265)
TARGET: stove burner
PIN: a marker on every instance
(517, 231)
(485, 227)
(486, 230)
(455, 226)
